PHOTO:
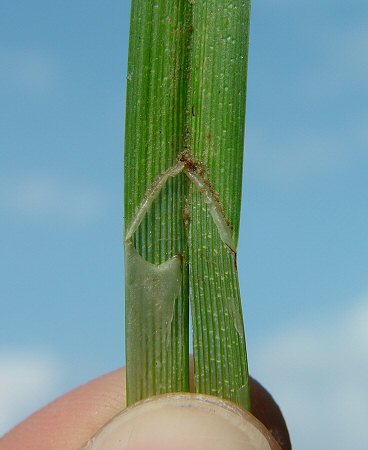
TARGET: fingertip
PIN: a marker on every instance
(183, 422)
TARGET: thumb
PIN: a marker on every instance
(183, 422)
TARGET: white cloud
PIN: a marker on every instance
(344, 66)
(302, 155)
(328, 133)
(29, 69)
(28, 379)
(293, 159)
(43, 197)
(318, 374)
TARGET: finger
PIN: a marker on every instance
(71, 420)
(68, 422)
(267, 411)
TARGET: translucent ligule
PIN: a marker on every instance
(151, 291)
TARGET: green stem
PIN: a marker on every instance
(155, 129)
(186, 91)
(217, 90)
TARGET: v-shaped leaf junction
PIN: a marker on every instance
(195, 171)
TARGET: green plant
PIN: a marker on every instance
(185, 125)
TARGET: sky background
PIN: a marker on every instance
(303, 250)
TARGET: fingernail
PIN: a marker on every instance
(183, 422)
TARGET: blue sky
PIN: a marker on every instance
(303, 249)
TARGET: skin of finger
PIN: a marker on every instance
(267, 411)
(71, 420)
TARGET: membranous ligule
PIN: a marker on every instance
(151, 288)
(151, 291)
